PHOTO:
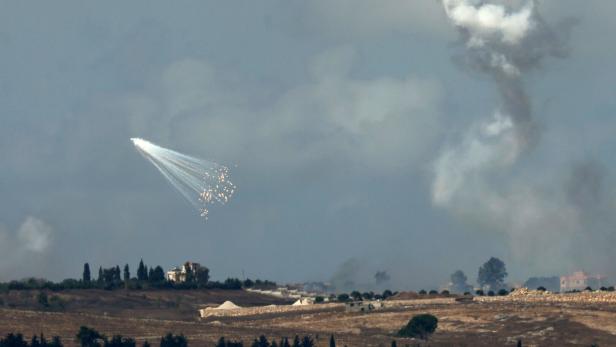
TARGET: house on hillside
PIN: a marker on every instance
(179, 274)
(579, 280)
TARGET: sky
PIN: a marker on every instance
(361, 135)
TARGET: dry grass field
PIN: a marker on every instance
(150, 314)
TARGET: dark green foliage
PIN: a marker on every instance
(541, 289)
(13, 340)
(420, 326)
(344, 297)
(480, 292)
(171, 340)
(519, 343)
(284, 342)
(126, 273)
(492, 273)
(332, 341)
(146, 344)
(422, 292)
(297, 342)
(86, 277)
(386, 294)
(142, 273)
(503, 292)
(445, 292)
(433, 292)
(42, 300)
(88, 337)
(491, 293)
(119, 341)
(307, 341)
(393, 343)
(319, 299)
(261, 342)
(356, 295)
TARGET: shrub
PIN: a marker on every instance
(445, 292)
(422, 292)
(503, 292)
(610, 288)
(344, 297)
(541, 289)
(319, 299)
(421, 326)
(588, 289)
(480, 292)
(433, 292)
(491, 293)
(467, 293)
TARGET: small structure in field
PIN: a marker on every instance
(363, 306)
(303, 301)
(579, 280)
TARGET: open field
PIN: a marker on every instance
(149, 314)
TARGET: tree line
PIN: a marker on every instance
(89, 337)
(145, 278)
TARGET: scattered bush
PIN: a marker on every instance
(344, 297)
(480, 292)
(588, 289)
(503, 292)
(491, 293)
(319, 299)
(420, 326)
(422, 292)
(541, 289)
(467, 293)
(433, 292)
(445, 292)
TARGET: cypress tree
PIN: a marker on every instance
(86, 273)
(332, 342)
(140, 271)
(126, 273)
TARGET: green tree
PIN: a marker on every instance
(356, 295)
(202, 276)
(344, 297)
(492, 273)
(86, 273)
(88, 337)
(171, 340)
(458, 282)
(332, 342)
(100, 275)
(420, 326)
(141, 272)
(13, 340)
(297, 342)
(393, 343)
(119, 341)
(126, 273)
(307, 341)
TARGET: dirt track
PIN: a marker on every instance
(487, 323)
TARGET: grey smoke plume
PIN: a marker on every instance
(25, 249)
(504, 41)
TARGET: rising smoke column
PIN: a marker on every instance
(503, 41)
(201, 182)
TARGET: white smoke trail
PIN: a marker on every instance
(201, 182)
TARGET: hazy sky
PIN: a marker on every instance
(336, 114)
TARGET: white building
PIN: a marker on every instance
(178, 274)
